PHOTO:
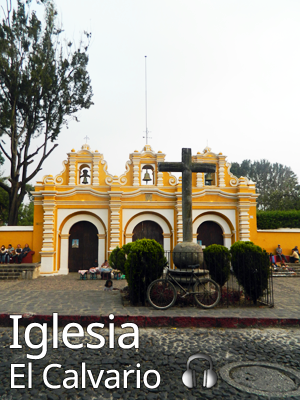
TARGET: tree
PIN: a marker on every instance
(276, 184)
(42, 84)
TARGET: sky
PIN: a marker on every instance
(221, 73)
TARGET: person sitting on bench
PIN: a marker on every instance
(294, 257)
(281, 256)
(10, 252)
(105, 269)
(18, 251)
(3, 253)
(24, 253)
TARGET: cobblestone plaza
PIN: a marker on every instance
(165, 350)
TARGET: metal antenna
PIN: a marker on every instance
(146, 102)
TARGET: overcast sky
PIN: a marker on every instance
(220, 72)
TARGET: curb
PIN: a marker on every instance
(143, 321)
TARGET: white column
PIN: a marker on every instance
(200, 179)
(101, 248)
(47, 252)
(136, 172)
(128, 237)
(96, 161)
(115, 206)
(227, 239)
(64, 254)
(167, 241)
(160, 179)
(179, 219)
(72, 171)
(221, 171)
(244, 231)
(195, 237)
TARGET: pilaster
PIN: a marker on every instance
(115, 227)
(179, 211)
(221, 170)
(200, 179)
(96, 161)
(72, 169)
(48, 251)
(160, 157)
(136, 171)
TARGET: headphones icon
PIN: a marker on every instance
(189, 376)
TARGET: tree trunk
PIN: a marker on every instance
(15, 201)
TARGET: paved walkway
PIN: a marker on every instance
(69, 296)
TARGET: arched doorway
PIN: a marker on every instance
(83, 246)
(210, 232)
(148, 230)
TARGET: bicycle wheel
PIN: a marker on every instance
(161, 294)
(207, 293)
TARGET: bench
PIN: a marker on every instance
(277, 259)
(26, 260)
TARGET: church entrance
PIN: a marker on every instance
(148, 230)
(210, 232)
(83, 246)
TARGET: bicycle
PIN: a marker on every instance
(162, 293)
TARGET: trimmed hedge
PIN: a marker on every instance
(217, 259)
(251, 266)
(278, 219)
(118, 257)
(142, 262)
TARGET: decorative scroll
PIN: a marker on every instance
(58, 178)
(173, 180)
(234, 180)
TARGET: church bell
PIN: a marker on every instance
(147, 176)
(208, 179)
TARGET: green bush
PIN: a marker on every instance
(142, 262)
(118, 257)
(251, 266)
(217, 259)
(278, 219)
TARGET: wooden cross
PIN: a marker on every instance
(186, 166)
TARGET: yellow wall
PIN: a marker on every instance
(269, 240)
(16, 237)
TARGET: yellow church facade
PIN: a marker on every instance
(83, 213)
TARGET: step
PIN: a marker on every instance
(9, 276)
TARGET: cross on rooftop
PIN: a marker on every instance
(186, 166)
(86, 138)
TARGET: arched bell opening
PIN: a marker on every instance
(85, 174)
(147, 175)
(210, 179)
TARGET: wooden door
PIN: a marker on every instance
(83, 246)
(210, 232)
(148, 230)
